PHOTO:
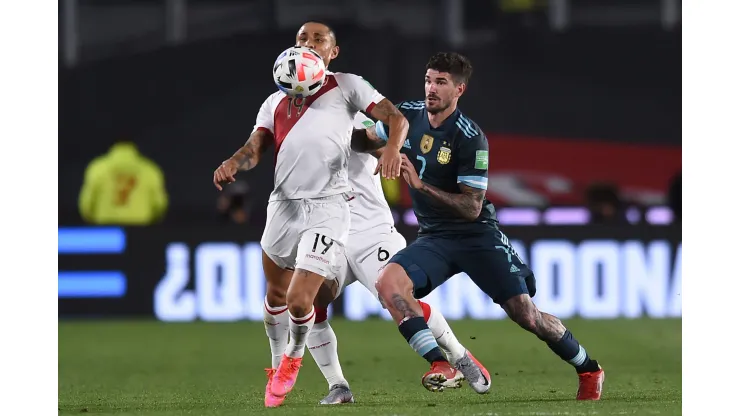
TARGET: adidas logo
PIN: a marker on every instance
(514, 269)
(407, 144)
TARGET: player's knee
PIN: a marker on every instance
(393, 281)
(299, 303)
(275, 295)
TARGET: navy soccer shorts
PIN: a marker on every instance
(487, 258)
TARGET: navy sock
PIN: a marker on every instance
(420, 338)
(571, 351)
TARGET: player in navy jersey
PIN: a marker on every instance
(445, 163)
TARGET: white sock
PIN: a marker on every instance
(322, 343)
(276, 326)
(299, 329)
(446, 339)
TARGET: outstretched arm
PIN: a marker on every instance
(245, 158)
(250, 154)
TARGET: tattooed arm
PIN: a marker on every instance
(245, 158)
(250, 154)
(389, 163)
(467, 204)
(386, 112)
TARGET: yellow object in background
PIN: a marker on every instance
(515, 6)
(123, 187)
(391, 190)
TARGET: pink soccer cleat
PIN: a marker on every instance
(270, 399)
(285, 376)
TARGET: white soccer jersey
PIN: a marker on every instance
(312, 136)
(368, 208)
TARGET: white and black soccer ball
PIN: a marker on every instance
(299, 72)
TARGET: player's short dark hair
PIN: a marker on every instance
(332, 32)
(453, 63)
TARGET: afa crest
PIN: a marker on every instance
(427, 142)
(444, 155)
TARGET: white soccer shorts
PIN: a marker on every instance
(366, 254)
(308, 234)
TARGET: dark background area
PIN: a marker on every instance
(187, 94)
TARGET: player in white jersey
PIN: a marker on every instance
(373, 240)
(308, 212)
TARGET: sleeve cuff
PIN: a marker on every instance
(380, 131)
(478, 182)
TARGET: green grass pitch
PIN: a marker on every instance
(152, 368)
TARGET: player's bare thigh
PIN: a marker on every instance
(320, 252)
(283, 228)
(281, 235)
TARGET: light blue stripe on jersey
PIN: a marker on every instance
(463, 129)
(380, 131)
(467, 122)
(412, 105)
(466, 129)
(480, 182)
(423, 341)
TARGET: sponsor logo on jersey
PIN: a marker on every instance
(427, 142)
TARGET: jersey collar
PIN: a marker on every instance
(447, 124)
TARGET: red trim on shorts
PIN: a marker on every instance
(303, 321)
(426, 309)
(321, 314)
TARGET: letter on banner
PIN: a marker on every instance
(217, 281)
(598, 283)
(674, 296)
(554, 266)
(254, 283)
(171, 301)
(646, 278)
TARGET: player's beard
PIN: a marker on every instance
(439, 106)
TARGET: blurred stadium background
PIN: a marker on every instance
(581, 103)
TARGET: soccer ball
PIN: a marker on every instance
(299, 72)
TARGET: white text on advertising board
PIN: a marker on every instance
(591, 279)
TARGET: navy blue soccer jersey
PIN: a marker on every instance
(454, 153)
